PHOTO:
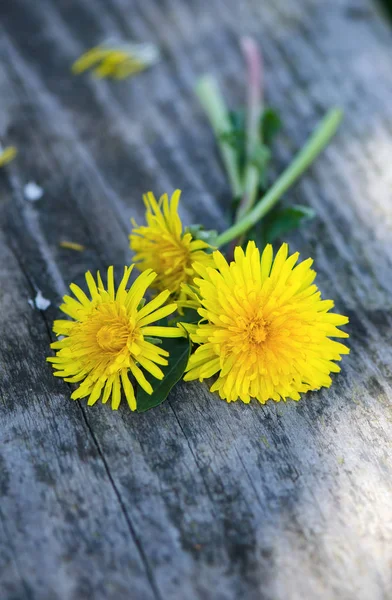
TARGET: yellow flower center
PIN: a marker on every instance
(251, 331)
(113, 337)
(109, 330)
(256, 331)
(174, 259)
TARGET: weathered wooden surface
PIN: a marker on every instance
(195, 499)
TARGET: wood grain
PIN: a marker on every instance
(197, 498)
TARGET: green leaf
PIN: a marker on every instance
(189, 315)
(261, 157)
(153, 340)
(280, 221)
(270, 125)
(236, 136)
(238, 120)
(179, 350)
(233, 137)
(199, 233)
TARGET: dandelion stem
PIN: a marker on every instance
(253, 134)
(315, 144)
(214, 106)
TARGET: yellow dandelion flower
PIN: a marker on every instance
(163, 246)
(117, 60)
(111, 336)
(265, 330)
(7, 154)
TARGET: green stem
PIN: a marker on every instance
(315, 144)
(216, 111)
(253, 61)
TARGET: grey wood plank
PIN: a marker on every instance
(148, 506)
(60, 513)
(281, 501)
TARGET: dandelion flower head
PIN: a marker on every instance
(162, 244)
(111, 336)
(265, 331)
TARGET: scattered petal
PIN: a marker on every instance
(39, 301)
(33, 192)
(7, 154)
(72, 246)
(118, 60)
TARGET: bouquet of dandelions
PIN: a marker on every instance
(256, 323)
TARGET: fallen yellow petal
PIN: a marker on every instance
(7, 155)
(72, 246)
